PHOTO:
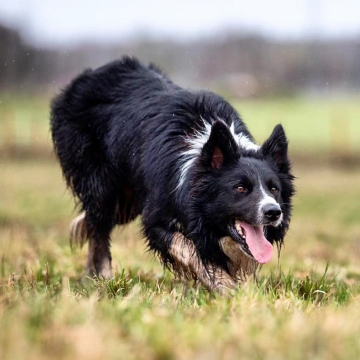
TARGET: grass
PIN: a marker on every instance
(317, 124)
(307, 305)
(330, 125)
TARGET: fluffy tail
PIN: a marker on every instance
(78, 231)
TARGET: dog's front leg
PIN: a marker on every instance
(187, 262)
(175, 249)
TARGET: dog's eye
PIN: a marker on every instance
(273, 190)
(241, 189)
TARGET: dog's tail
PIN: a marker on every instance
(78, 231)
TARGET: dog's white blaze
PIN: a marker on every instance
(265, 200)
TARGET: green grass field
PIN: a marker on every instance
(312, 124)
(304, 306)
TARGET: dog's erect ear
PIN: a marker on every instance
(275, 148)
(220, 148)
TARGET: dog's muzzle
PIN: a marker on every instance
(272, 212)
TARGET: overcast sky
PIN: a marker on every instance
(67, 22)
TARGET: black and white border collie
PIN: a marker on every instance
(130, 142)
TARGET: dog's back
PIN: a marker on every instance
(81, 114)
(91, 121)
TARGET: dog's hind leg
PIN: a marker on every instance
(99, 257)
(99, 200)
(100, 220)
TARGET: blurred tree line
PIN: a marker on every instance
(236, 64)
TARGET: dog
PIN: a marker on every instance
(212, 202)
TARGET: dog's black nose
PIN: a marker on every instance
(272, 212)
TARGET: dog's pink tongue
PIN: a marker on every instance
(260, 248)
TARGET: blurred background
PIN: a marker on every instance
(290, 62)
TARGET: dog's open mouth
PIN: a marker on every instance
(252, 240)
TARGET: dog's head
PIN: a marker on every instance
(244, 194)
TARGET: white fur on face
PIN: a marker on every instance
(266, 199)
(197, 143)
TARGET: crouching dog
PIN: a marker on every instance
(212, 202)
